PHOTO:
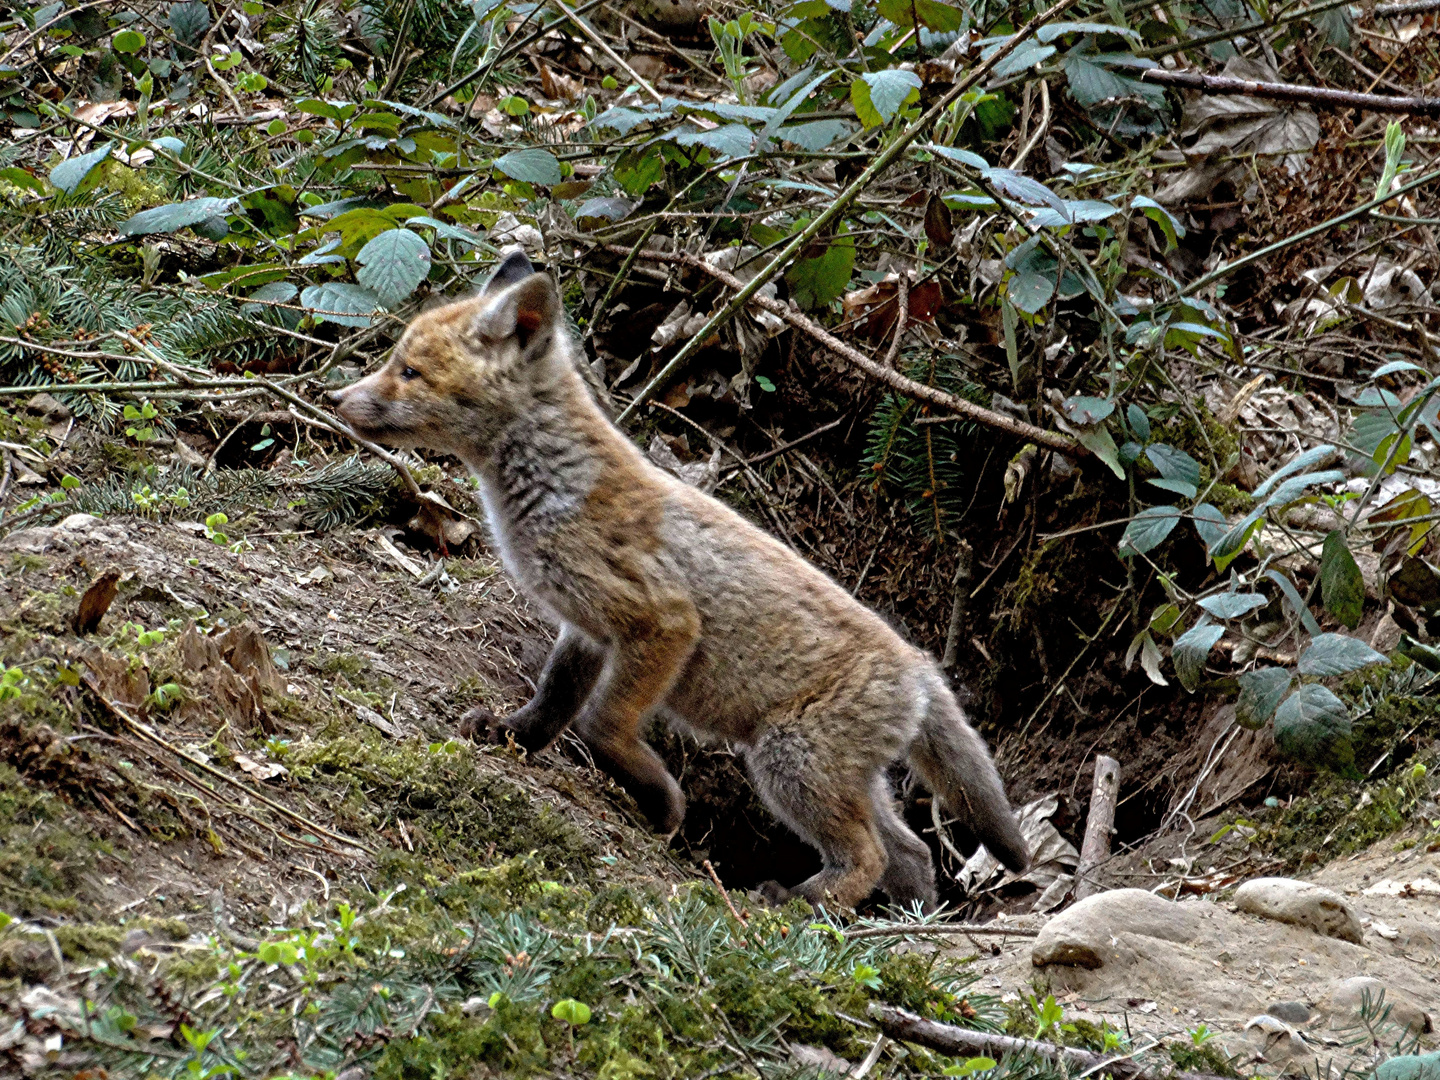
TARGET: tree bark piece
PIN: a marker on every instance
(1310, 95)
(1095, 848)
(956, 1041)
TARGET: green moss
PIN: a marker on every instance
(1204, 1058)
(453, 808)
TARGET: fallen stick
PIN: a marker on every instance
(1095, 848)
(888, 375)
(957, 1041)
(1310, 95)
(941, 929)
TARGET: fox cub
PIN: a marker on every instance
(669, 603)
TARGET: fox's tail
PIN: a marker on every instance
(956, 766)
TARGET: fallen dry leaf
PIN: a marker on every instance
(96, 602)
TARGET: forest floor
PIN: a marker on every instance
(247, 743)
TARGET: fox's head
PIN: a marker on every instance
(463, 372)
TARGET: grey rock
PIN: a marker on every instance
(1274, 1040)
(1292, 1012)
(1093, 932)
(1348, 1000)
(1301, 904)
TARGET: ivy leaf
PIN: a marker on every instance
(337, 302)
(1341, 585)
(1313, 725)
(878, 95)
(393, 264)
(1335, 654)
(71, 173)
(1260, 692)
(817, 280)
(1233, 605)
(176, 216)
(1190, 650)
(1148, 529)
(531, 165)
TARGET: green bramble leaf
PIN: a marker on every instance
(393, 265)
(1342, 586)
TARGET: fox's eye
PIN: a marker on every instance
(409, 374)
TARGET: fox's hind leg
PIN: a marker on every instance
(909, 870)
(827, 801)
(570, 674)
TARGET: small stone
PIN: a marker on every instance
(1301, 904)
(1350, 998)
(1292, 1012)
(48, 407)
(78, 522)
(1087, 935)
(820, 1059)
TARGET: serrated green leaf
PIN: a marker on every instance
(1179, 487)
(1260, 693)
(1335, 654)
(393, 264)
(1173, 464)
(1190, 650)
(1232, 605)
(1295, 465)
(337, 302)
(1341, 585)
(176, 216)
(1313, 725)
(878, 95)
(189, 21)
(71, 173)
(933, 15)
(531, 165)
(1139, 422)
(1148, 529)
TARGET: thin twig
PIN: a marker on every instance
(902, 316)
(941, 929)
(709, 869)
(1312, 95)
(949, 1039)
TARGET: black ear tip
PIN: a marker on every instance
(514, 267)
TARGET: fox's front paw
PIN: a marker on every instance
(773, 893)
(483, 726)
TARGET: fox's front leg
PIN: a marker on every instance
(569, 675)
(648, 655)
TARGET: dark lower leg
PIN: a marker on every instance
(570, 674)
(909, 870)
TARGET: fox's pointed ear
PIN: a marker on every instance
(528, 312)
(513, 269)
